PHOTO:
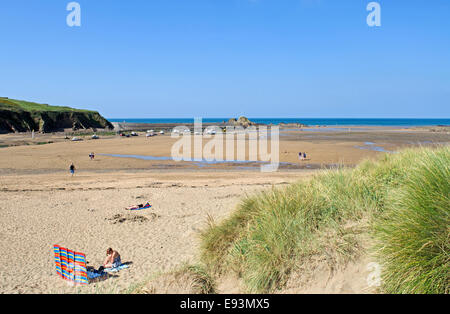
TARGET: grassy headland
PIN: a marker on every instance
(25, 116)
(21, 105)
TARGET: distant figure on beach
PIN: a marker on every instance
(92, 156)
(112, 259)
(300, 156)
(140, 206)
(72, 169)
(304, 156)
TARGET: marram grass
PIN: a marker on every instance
(413, 236)
(405, 198)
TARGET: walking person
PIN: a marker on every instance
(72, 169)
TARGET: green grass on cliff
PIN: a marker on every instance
(21, 105)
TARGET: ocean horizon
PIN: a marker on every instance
(403, 122)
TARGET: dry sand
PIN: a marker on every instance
(86, 213)
(41, 205)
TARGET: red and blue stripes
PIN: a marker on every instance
(80, 269)
(70, 265)
(56, 249)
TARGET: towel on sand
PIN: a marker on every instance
(116, 269)
(139, 207)
(95, 274)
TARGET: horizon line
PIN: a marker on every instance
(249, 117)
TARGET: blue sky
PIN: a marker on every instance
(225, 58)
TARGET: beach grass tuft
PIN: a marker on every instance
(413, 236)
(404, 197)
(190, 279)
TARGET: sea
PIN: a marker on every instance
(307, 121)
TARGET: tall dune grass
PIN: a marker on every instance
(413, 237)
(271, 233)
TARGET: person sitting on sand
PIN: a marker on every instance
(92, 156)
(112, 260)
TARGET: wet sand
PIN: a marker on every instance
(324, 146)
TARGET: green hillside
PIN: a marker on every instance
(25, 116)
(21, 105)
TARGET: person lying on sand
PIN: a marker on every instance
(137, 206)
(112, 260)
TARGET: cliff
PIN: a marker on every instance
(23, 116)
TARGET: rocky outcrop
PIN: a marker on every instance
(16, 116)
(242, 121)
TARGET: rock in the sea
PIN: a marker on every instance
(242, 121)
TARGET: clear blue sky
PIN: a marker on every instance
(223, 58)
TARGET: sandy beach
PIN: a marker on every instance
(87, 213)
(246, 147)
(42, 205)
